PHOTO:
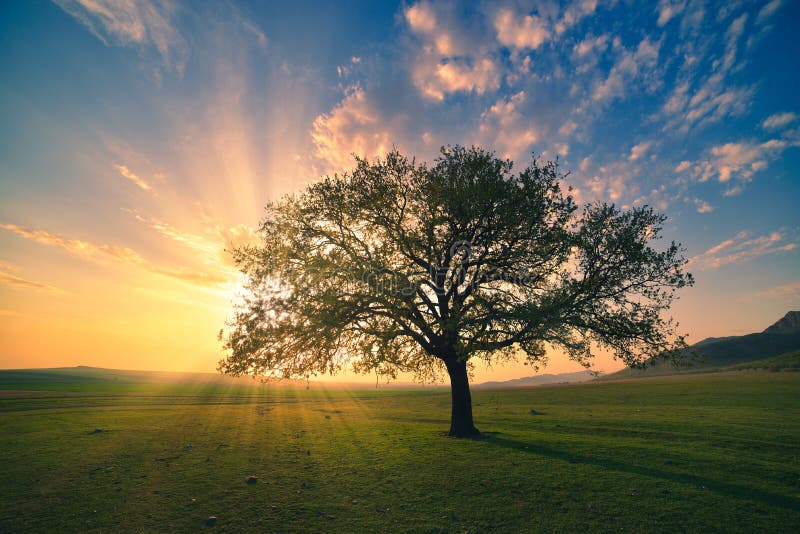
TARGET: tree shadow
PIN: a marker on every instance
(725, 488)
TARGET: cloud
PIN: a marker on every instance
(215, 248)
(702, 95)
(742, 247)
(738, 160)
(143, 24)
(78, 247)
(767, 11)
(573, 14)
(518, 32)
(504, 127)
(667, 9)
(239, 235)
(783, 291)
(612, 182)
(11, 280)
(448, 59)
(682, 166)
(130, 175)
(632, 68)
(422, 20)
(639, 150)
(354, 126)
(703, 206)
(101, 252)
(590, 44)
(436, 78)
(779, 120)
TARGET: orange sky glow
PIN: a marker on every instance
(134, 155)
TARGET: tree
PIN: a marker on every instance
(399, 266)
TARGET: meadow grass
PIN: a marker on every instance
(692, 453)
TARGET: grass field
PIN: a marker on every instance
(717, 452)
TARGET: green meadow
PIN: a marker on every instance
(112, 453)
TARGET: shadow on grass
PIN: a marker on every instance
(725, 488)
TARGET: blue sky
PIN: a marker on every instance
(139, 139)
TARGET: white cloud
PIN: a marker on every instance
(639, 150)
(667, 9)
(574, 13)
(568, 128)
(137, 23)
(614, 182)
(436, 79)
(447, 62)
(421, 18)
(423, 21)
(214, 247)
(767, 11)
(738, 161)
(702, 97)
(504, 128)
(354, 126)
(514, 31)
(101, 253)
(703, 206)
(742, 247)
(130, 175)
(14, 281)
(783, 291)
(631, 66)
(779, 120)
(590, 44)
(682, 166)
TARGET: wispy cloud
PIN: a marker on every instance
(85, 249)
(12, 280)
(633, 68)
(768, 11)
(103, 252)
(742, 247)
(143, 24)
(783, 291)
(779, 120)
(133, 177)
(668, 9)
(213, 248)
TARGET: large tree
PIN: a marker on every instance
(404, 267)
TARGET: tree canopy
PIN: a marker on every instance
(399, 266)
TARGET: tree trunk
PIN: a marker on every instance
(461, 425)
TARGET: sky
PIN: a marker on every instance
(141, 139)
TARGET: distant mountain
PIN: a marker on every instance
(716, 353)
(788, 324)
(538, 380)
(708, 340)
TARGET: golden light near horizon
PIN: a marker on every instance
(140, 143)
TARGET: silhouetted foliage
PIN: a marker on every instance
(399, 266)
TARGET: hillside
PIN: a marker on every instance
(538, 380)
(713, 354)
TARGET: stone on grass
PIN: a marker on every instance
(251, 479)
(212, 519)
